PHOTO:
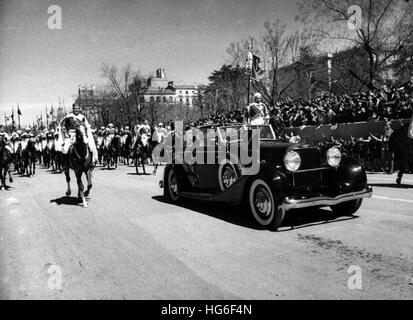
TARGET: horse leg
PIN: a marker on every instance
(3, 182)
(89, 182)
(2, 178)
(81, 189)
(401, 171)
(137, 165)
(68, 191)
(28, 168)
(143, 165)
(10, 177)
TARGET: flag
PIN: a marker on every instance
(253, 66)
(18, 110)
(12, 117)
(410, 131)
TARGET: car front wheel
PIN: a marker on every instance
(172, 186)
(347, 208)
(263, 206)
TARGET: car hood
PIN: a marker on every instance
(274, 151)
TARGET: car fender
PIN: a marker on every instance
(350, 175)
(274, 176)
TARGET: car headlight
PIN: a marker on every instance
(333, 156)
(292, 161)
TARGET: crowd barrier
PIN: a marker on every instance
(313, 134)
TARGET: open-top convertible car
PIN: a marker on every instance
(289, 175)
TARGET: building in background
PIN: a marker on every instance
(160, 90)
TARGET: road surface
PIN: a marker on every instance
(130, 244)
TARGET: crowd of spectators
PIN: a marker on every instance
(372, 153)
(373, 105)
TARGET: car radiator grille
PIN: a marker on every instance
(307, 182)
(310, 158)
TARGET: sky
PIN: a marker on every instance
(188, 38)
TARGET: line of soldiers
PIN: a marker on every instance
(155, 134)
(22, 137)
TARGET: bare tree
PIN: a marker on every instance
(276, 49)
(381, 29)
(128, 89)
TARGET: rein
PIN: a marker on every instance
(78, 138)
(77, 154)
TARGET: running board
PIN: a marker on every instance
(233, 195)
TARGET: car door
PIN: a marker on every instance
(207, 171)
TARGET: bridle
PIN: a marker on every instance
(80, 134)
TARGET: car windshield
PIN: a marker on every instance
(228, 133)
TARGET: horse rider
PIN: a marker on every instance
(109, 134)
(16, 140)
(101, 132)
(56, 138)
(257, 112)
(160, 133)
(50, 138)
(26, 136)
(127, 131)
(68, 138)
(124, 133)
(144, 128)
(110, 130)
(4, 136)
(43, 140)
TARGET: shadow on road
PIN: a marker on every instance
(240, 215)
(72, 201)
(139, 174)
(303, 218)
(391, 185)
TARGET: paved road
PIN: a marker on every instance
(130, 244)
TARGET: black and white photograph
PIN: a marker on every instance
(224, 151)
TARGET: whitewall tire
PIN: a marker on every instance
(266, 212)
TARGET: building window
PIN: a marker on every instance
(187, 100)
(186, 92)
(171, 99)
(164, 99)
(180, 100)
(158, 99)
(152, 99)
(180, 92)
